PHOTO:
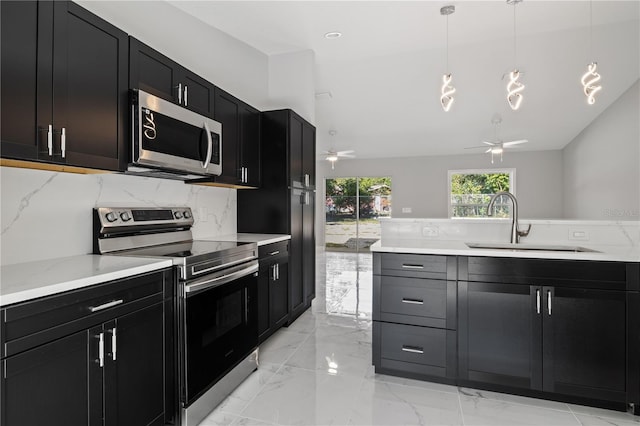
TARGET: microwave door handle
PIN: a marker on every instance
(206, 161)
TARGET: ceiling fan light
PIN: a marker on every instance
(332, 158)
(497, 150)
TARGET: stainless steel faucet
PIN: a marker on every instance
(515, 232)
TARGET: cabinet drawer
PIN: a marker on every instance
(35, 322)
(420, 345)
(423, 302)
(416, 266)
(273, 250)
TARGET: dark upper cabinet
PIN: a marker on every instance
(240, 140)
(64, 86)
(155, 73)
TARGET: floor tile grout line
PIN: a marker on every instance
(574, 415)
(460, 405)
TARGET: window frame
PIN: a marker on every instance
(512, 186)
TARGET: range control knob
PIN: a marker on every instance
(177, 215)
(187, 214)
(125, 216)
(111, 217)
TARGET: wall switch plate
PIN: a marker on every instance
(429, 231)
(406, 210)
(578, 234)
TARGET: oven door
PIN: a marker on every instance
(220, 326)
(169, 136)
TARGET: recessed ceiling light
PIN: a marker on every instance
(333, 34)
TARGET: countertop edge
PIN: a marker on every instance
(260, 239)
(52, 289)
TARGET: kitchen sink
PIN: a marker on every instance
(527, 247)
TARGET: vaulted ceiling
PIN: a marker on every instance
(384, 73)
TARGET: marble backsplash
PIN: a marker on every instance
(572, 232)
(49, 214)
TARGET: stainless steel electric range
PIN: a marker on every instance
(216, 307)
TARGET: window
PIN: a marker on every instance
(471, 190)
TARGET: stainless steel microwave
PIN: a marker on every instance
(171, 141)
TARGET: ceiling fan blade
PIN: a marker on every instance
(518, 142)
(489, 143)
(489, 150)
(476, 147)
(350, 151)
(346, 156)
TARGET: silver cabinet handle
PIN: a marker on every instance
(246, 175)
(50, 139)
(278, 271)
(206, 161)
(180, 93)
(63, 141)
(106, 305)
(113, 343)
(273, 253)
(273, 272)
(413, 301)
(549, 301)
(538, 301)
(306, 179)
(413, 349)
(408, 266)
(186, 92)
(306, 198)
(246, 306)
(101, 350)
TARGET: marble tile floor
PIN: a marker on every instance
(318, 372)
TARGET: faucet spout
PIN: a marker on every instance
(515, 232)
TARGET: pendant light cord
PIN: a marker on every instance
(515, 51)
(590, 30)
(447, 54)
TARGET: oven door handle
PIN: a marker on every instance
(223, 279)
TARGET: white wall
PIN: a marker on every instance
(602, 164)
(421, 182)
(292, 83)
(214, 55)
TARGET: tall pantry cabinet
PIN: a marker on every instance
(285, 201)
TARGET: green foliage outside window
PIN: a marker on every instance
(471, 193)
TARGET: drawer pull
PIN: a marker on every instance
(273, 253)
(413, 349)
(106, 305)
(413, 301)
(409, 266)
(101, 350)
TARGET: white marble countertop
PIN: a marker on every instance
(260, 239)
(459, 248)
(24, 281)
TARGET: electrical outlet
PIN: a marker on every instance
(406, 210)
(578, 234)
(429, 231)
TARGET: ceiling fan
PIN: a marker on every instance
(332, 155)
(498, 146)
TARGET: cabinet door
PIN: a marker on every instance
(152, 72)
(250, 144)
(584, 342)
(197, 93)
(309, 247)
(134, 368)
(279, 293)
(90, 66)
(227, 112)
(48, 385)
(500, 334)
(295, 151)
(18, 94)
(309, 155)
(264, 300)
(296, 251)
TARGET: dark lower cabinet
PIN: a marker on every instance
(273, 289)
(64, 86)
(48, 385)
(97, 356)
(568, 333)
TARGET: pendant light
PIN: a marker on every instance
(591, 78)
(514, 86)
(447, 90)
